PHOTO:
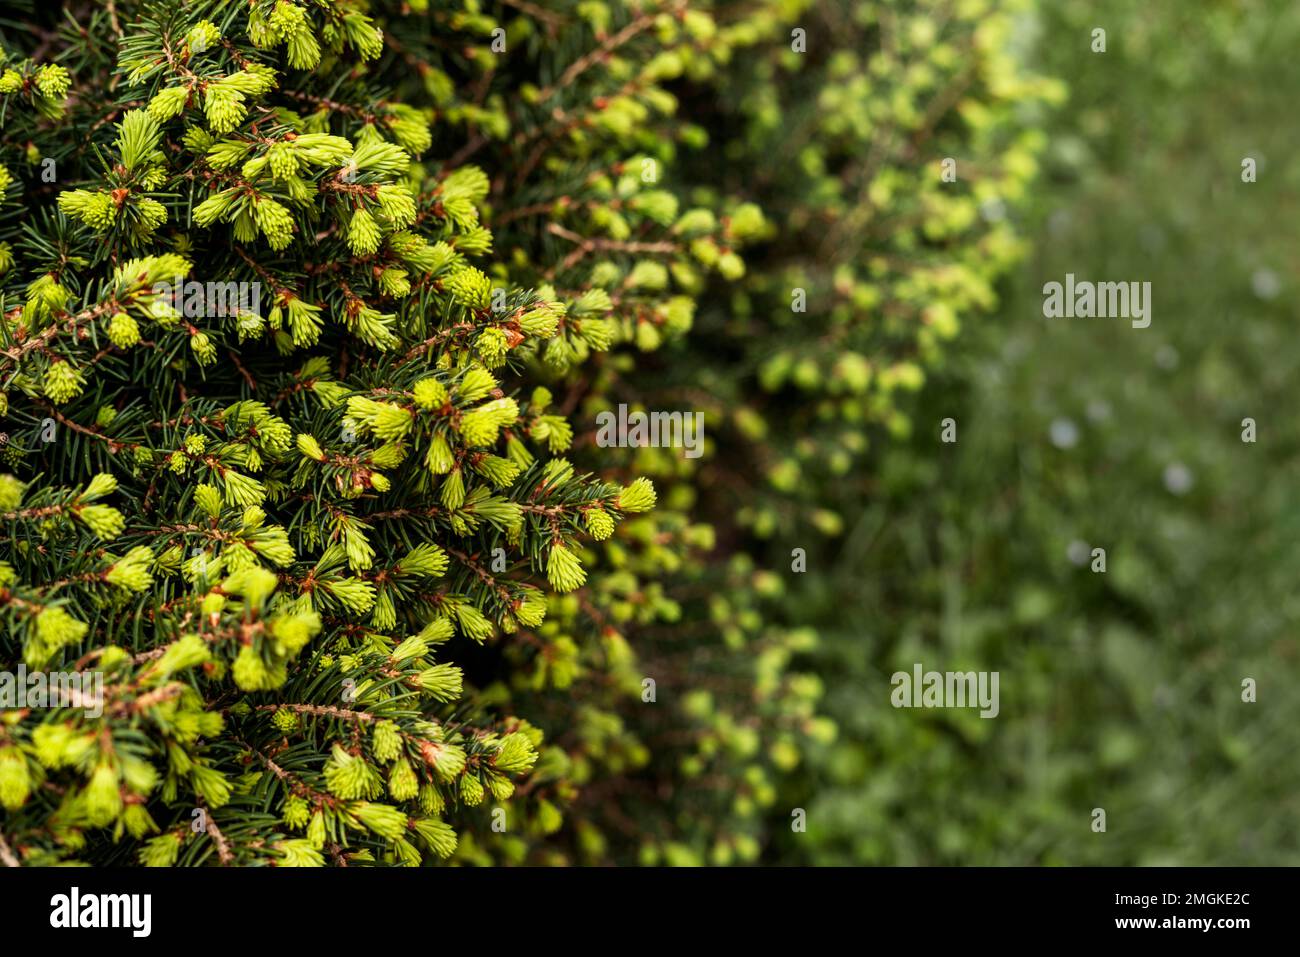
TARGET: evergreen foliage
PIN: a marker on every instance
(338, 536)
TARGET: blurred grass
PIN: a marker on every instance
(1119, 690)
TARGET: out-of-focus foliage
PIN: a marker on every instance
(1121, 690)
(889, 161)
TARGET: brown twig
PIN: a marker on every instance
(7, 855)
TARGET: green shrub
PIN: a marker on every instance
(361, 583)
(282, 534)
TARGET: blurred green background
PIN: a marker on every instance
(1119, 690)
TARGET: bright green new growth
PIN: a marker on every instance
(339, 573)
(265, 517)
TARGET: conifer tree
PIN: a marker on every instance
(309, 308)
(270, 447)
